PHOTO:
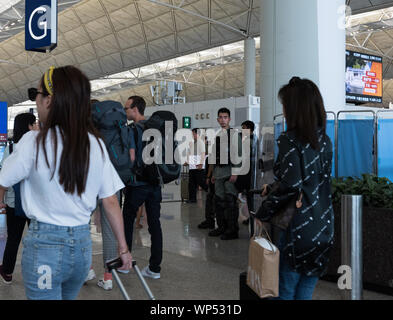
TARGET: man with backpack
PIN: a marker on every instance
(110, 119)
(147, 181)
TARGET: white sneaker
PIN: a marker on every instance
(105, 284)
(146, 272)
(91, 275)
(123, 271)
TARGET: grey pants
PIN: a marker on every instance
(227, 211)
(109, 241)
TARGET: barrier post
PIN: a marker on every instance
(352, 243)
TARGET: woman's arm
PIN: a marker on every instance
(18, 164)
(115, 218)
(2, 193)
(5, 155)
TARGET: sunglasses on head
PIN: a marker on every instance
(33, 92)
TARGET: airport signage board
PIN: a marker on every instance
(364, 81)
(187, 122)
(3, 123)
(41, 25)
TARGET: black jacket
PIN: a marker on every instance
(309, 237)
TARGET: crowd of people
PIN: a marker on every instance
(63, 160)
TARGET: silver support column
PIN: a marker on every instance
(249, 67)
(352, 243)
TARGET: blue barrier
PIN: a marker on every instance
(355, 147)
(385, 148)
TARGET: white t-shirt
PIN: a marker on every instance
(196, 154)
(43, 198)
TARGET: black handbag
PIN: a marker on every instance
(288, 204)
(283, 217)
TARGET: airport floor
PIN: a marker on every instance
(195, 266)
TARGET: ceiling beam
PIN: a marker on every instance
(242, 32)
(372, 8)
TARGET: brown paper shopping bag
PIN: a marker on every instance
(263, 267)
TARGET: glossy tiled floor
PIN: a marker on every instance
(194, 266)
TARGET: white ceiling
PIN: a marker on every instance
(103, 37)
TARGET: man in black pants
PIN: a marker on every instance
(142, 192)
(196, 160)
(244, 183)
(209, 222)
(16, 218)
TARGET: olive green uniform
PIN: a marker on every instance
(227, 211)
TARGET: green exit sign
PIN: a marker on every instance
(187, 122)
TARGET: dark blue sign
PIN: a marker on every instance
(41, 25)
(3, 123)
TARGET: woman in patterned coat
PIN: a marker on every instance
(303, 167)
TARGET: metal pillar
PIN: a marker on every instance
(249, 67)
(352, 243)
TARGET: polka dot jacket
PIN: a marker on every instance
(299, 168)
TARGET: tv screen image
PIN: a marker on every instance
(364, 83)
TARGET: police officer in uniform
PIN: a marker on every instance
(227, 211)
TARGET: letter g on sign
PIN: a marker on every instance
(43, 22)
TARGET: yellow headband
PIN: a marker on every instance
(48, 80)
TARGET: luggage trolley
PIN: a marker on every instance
(112, 265)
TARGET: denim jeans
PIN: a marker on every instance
(151, 196)
(293, 285)
(55, 261)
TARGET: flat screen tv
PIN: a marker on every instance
(363, 82)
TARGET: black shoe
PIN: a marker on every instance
(216, 232)
(230, 236)
(191, 201)
(7, 279)
(206, 225)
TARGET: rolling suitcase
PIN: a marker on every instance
(112, 265)
(184, 183)
(245, 292)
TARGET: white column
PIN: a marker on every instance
(304, 38)
(249, 67)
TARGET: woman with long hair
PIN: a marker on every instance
(63, 168)
(303, 173)
(16, 219)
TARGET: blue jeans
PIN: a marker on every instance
(151, 196)
(293, 285)
(55, 261)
